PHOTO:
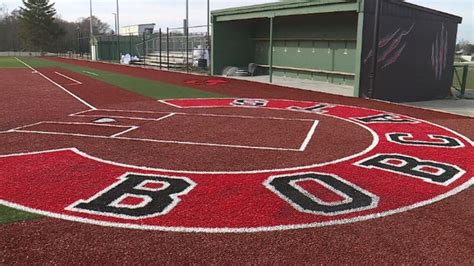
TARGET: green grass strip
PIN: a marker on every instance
(10, 62)
(151, 88)
(10, 215)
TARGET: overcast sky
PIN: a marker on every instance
(170, 13)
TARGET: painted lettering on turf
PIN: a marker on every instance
(152, 200)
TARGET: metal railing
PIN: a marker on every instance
(167, 49)
(461, 74)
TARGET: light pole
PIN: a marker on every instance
(118, 29)
(208, 33)
(208, 23)
(187, 35)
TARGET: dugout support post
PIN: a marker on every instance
(270, 52)
(375, 48)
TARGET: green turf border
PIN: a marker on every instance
(146, 87)
(11, 215)
(10, 62)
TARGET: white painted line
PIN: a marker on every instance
(59, 86)
(135, 127)
(248, 117)
(117, 116)
(71, 79)
(90, 73)
(69, 123)
(309, 136)
(189, 114)
(165, 117)
(155, 140)
(59, 133)
(131, 111)
(20, 127)
(375, 141)
(124, 117)
(450, 193)
(85, 111)
(170, 104)
(123, 132)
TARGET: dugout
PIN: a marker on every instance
(333, 41)
(107, 46)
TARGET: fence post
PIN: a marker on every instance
(80, 45)
(464, 80)
(186, 29)
(159, 38)
(144, 51)
(168, 47)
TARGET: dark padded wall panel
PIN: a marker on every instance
(416, 53)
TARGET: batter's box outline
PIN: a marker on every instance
(129, 128)
(24, 129)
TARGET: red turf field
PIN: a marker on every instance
(229, 156)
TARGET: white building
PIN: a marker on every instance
(137, 30)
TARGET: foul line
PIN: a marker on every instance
(170, 104)
(90, 73)
(59, 86)
(71, 79)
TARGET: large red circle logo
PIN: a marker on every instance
(233, 165)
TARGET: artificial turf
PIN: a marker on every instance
(149, 88)
(9, 215)
(10, 62)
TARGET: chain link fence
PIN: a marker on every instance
(172, 48)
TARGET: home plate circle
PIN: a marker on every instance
(234, 165)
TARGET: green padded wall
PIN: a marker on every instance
(319, 42)
(233, 45)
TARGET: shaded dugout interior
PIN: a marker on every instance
(332, 41)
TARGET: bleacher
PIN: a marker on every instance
(177, 59)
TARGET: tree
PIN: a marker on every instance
(9, 25)
(3, 11)
(466, 47)
(99, 27)
(38, 28)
